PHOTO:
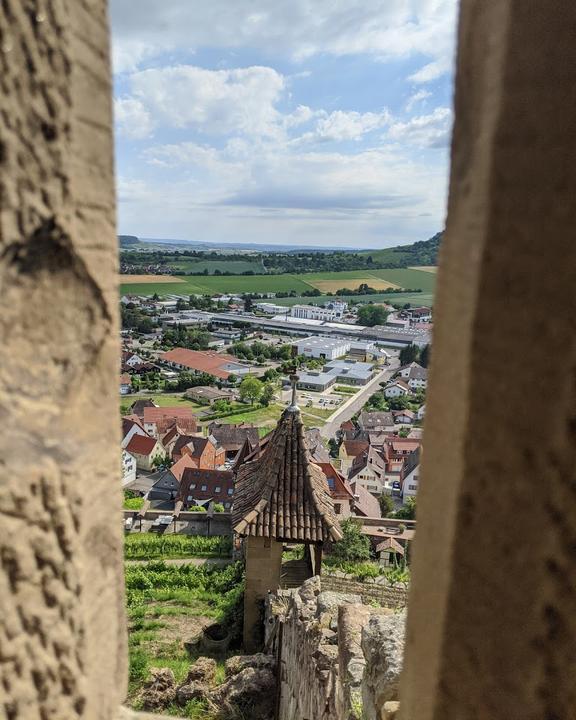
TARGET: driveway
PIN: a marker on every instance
(357, 402)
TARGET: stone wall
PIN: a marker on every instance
(378, 590)
(62, 629)
(338, 658)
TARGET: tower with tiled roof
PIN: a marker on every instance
(280, 497)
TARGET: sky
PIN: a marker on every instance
(301, 122)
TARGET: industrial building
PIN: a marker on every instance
(322, 347)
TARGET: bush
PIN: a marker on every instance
(354, 545)
(133, 503)
(218, 507)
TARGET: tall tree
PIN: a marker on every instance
(408, 354)
(250, 389)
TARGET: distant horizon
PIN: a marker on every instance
(264, 246)
(302, 124)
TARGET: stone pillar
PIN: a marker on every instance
(263, 570)
(492, 612)
(62, 629)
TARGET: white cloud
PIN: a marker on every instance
(340, 125)
(431, 130)
(417, 97)
(431, 71)
(275, 196)
(132, 119)
(210, 101)
(297, 29)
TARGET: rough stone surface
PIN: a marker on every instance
(310, 589)
(62, 628)
(259, 661)
(251, 693)
(203, 670)
(328, 602)
(492, 611)
(322, 660)
(383, 648)
(160, 690)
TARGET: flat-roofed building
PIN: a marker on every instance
(322, 347)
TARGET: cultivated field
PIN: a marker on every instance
(425, 268)
(413, 279)
(149, 279)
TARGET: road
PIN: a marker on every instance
(357, 402)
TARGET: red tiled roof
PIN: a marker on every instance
(141, 445)
(355, 447)
(208, 362)
(365, 504)
(180, 466)
(339, 488)
(166, 417)
(125, 379)
(212, 479)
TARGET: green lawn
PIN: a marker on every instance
(161, 400)
(259, 416)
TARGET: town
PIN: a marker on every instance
(209, 389)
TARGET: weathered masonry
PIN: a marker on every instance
(492, 614)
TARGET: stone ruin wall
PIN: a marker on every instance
(339, 658)
(390, 596)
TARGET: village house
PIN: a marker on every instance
(219, 365)
(421, 412)
(410, 484)
(146, 450)
(207, 395)
(404, 417)
(125, 384)
(417, 314)
(369, 470)
(205, 453)
(131, 425)
(340, 491)
(200, 487)
(415, 376)
(137, 407)
(158, 420)
(349, 451)
(365, 504)
(128, 468)
(396, 388)
(376, 421)
(233, 437)
(131, 359)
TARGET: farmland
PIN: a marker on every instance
(212, 284)
(412, 279)
(147, 279)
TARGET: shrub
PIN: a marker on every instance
(354, 545)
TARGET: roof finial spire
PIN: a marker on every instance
(294, 401)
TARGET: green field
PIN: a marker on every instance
(200, 285)
(160, 399)
(210, 285)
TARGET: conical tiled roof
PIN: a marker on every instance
(283, 494)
